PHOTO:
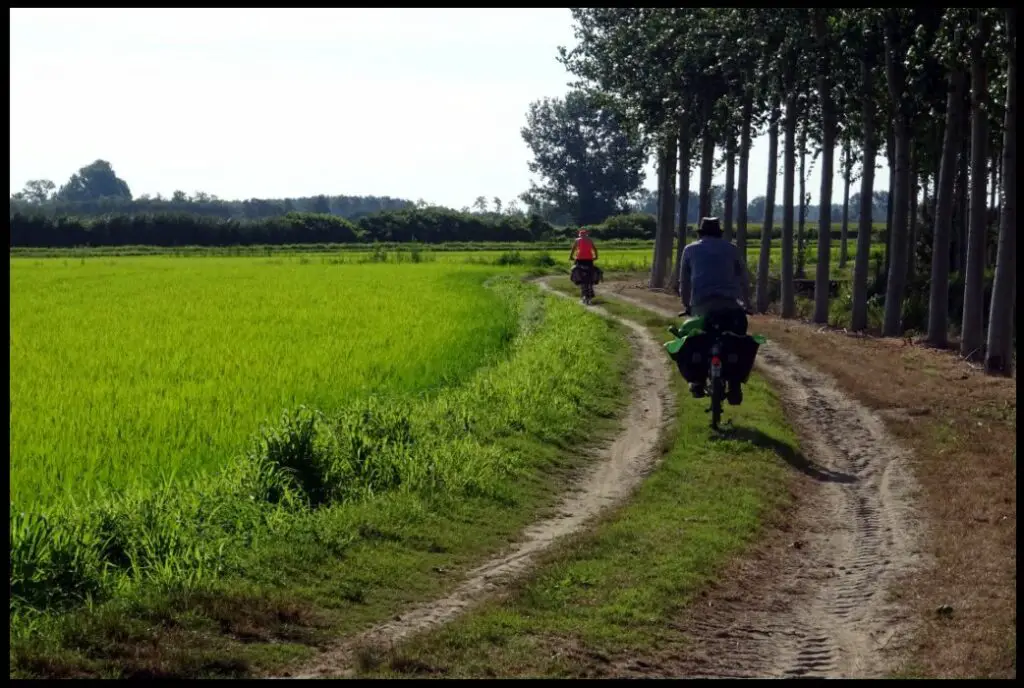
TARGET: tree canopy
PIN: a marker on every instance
(589, 158)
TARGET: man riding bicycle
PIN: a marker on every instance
(584, 253)
(714, 284)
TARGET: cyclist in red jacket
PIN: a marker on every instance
(584, 252)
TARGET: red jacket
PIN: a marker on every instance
(585, 249)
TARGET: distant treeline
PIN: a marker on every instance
(206, 205)
(170, 229)
(425, 225)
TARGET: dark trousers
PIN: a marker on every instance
(726, 320)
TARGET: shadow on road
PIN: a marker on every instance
(785, 452)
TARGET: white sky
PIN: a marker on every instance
(273, 103)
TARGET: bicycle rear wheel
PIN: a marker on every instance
(717, 397)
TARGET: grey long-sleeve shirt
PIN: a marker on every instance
(713, 270)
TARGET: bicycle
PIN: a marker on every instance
(586, 276)
(729, 361)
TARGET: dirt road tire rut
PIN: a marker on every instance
(822, 607)
(618, 469)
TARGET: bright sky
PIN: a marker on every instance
(272, 103)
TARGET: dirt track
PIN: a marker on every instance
(619, 468)
(816, 605)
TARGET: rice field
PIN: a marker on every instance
(137, 369)
(178, 420)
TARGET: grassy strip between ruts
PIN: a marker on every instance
(296, 574)
(615, 590)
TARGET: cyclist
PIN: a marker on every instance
(584, 253)
(714, 284)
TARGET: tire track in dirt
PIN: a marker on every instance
(619, 468)
(821, 608)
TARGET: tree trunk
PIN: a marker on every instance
(896, 278)
(683, 198)
(828, 151)
(730, 186)
(741, 183)
(859, 317)
(999, 356)
(890, 154)
(802, 212)
(959, 253)
(844, 232)
(992, 181)
(659, 218)
(912, 225)
(992, 236)
(767, 222)
(938, 298)
(788, 170)
(926, 199)
(992, 216)
(666, 213)
(972, 333)
(707, 162)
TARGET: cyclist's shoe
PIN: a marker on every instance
(697, 390)
(734, 395)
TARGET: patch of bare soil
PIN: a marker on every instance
(960, 427)
(619, 468)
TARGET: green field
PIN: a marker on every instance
(151, 367)
(176, 422)
(621, 256)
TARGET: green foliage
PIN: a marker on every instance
(427, 225)
(630, 226)
(36, 192)
(38, 198)
(588, 156)
(94, 182)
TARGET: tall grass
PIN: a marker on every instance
(151, 367)
(311, 468)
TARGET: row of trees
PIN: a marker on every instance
(933, 89)
(427, 225)
(96, 190)
(589, 159)
(849, 211)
